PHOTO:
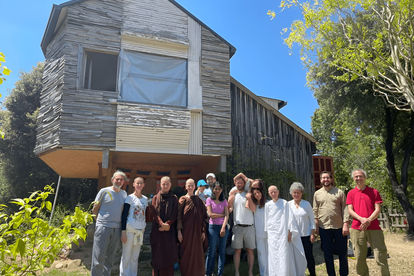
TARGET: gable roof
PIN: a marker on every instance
(259, 100)
(58, 9)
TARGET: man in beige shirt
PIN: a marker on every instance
(331, 221)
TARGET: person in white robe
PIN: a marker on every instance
(286, 256)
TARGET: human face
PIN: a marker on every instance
(165, 186)
(190, 186)
(257, 194)
(274, 193)
(211, 180)
(138, 184)
(326, 180)
(217, 191)
(239, 184)
(255, 185)
(297, 195)
(118, 181)
(359, 178)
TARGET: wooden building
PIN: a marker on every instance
(144, 86)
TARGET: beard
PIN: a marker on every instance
(116, 186)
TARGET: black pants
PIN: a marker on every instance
(307, 245)
(333, 242)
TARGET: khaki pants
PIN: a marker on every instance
(376, 240)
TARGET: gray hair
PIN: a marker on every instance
(359, 170)
(121, 173)
(296, 186)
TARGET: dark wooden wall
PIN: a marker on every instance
(262, 140)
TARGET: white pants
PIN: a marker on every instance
(261, 245)
(130, 252)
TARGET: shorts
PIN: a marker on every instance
(243, 237)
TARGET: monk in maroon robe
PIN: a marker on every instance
(163, 215)
(191, 222)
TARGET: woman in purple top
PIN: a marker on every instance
(217, 230)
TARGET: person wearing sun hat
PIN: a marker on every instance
(201, 187)
(211, 180)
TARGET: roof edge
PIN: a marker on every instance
(56, 9)
(277, 113)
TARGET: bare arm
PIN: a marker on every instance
(249, 202)
(231, 202)
(224, 225)
(365, 222)
(95, 208)
(213, 215)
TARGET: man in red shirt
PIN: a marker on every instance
(364, 205)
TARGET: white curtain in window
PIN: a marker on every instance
(153, 79)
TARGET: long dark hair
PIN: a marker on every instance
(262, 201)
(213, 195)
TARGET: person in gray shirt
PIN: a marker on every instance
(108, 207)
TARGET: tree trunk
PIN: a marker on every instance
(400, 189)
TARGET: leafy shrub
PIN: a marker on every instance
(28, 243)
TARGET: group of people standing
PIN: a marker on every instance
(194, 228)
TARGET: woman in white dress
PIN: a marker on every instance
(303, 213)
(256, 202)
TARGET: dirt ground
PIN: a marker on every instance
(401, 258)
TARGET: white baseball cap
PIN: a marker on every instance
(211, 174)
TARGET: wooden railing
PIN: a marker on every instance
(393, 220)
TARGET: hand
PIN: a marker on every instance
(248, 196)
(365, 222)
(345, 230)
(317, 230)
(312, 238)
(233, 192)
(164, 227)
(289, 236)
(180, 236)
(203, 236)
(123, 236)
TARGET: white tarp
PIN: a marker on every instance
(153, 79)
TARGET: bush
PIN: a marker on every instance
(28, 243)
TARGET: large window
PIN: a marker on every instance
(100, 71)
(153, 79)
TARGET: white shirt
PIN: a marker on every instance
(304, 217)
(136, 214)
(241, 214)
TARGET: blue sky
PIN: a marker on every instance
(262, 61)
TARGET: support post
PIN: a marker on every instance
(54, 201)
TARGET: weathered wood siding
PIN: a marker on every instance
(87, 117)
(215, 80)
(48, 119)
(72, 116)
(155, 18)
(264, 141)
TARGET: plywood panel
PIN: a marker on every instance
(157, 140)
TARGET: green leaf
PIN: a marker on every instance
(18, 247)
(48, 205)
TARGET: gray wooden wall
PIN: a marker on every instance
(215, 80)
(264, 141)
(73, 116)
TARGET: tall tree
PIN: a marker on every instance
(396, 126)
(385, 57)
(21, 171)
